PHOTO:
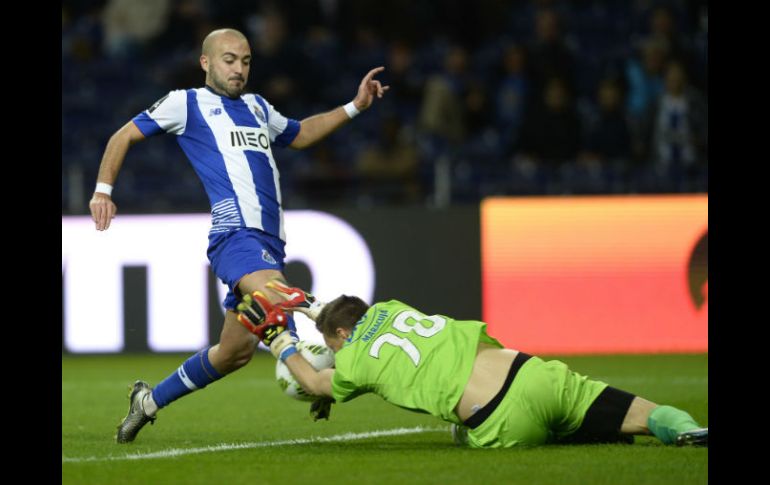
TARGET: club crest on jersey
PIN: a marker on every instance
(215, 111)
(267, 257)
(258, 113)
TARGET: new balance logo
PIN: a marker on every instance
(254, 138)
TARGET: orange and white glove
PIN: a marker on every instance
(297, 299)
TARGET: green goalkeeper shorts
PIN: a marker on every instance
(545, 402)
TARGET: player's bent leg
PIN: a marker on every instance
(233, 352)
(258, 280)
(636, 420)
(669, 424)
(235, 348)
(600, 409)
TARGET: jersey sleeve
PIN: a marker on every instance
(282, 130)
(167, 115)
(343, 388)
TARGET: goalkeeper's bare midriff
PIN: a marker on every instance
(487, 378)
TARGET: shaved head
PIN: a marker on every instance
(211, 40)
(225, 57)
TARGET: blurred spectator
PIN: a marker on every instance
(644, 76)
(478, 109)
(178, 47)
(678, 122)
(184, 32)
(551, 131)
(663, 28)
(405, 81)
(607, 136)
(281, 71)
(388, 169)
(328, 180)
(129, 24)
(82, 35)
(442, 113)
(548, 56)
(320, 42)
(511, 95)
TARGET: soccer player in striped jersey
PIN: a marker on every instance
(494, 397)
(228, 135)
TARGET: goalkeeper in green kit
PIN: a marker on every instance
(493, 396)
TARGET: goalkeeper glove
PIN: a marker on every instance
(297, 299)
(321, 407)
(268, 322)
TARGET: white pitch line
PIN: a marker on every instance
(174, 452)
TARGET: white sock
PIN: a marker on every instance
(149, 406)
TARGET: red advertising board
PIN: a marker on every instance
(589, 275)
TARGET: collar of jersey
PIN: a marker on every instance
(211, 90)
(355, 327)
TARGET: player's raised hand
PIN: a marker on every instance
(368, 89)
(261, 317)
(103, 209)
(268, 322)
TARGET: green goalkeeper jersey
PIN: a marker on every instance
(416, 361)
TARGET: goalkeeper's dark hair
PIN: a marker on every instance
(344, 311)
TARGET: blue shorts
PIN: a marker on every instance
(235, 254)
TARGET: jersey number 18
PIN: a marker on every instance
(408, 321)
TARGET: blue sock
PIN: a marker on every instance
(195, 373)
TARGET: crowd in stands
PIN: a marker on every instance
(491, 97)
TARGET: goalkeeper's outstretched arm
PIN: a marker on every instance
(317, 383)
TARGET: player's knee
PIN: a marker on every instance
(235, 357)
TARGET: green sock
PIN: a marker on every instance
(665, 422)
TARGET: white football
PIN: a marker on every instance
(318, 355)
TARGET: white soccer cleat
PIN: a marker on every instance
(694, 437)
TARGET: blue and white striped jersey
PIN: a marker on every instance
(228, 141)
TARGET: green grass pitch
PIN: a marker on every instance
(242, 430)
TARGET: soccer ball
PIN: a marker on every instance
(318, 355)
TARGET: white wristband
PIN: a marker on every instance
(351, 110)
(103, 188)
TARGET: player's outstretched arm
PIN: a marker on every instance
(317, 127)
(317, 383)
(102, 207)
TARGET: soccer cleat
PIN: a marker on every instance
(460, 434)
(136, 417)
(297, 299)
(694, 437)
